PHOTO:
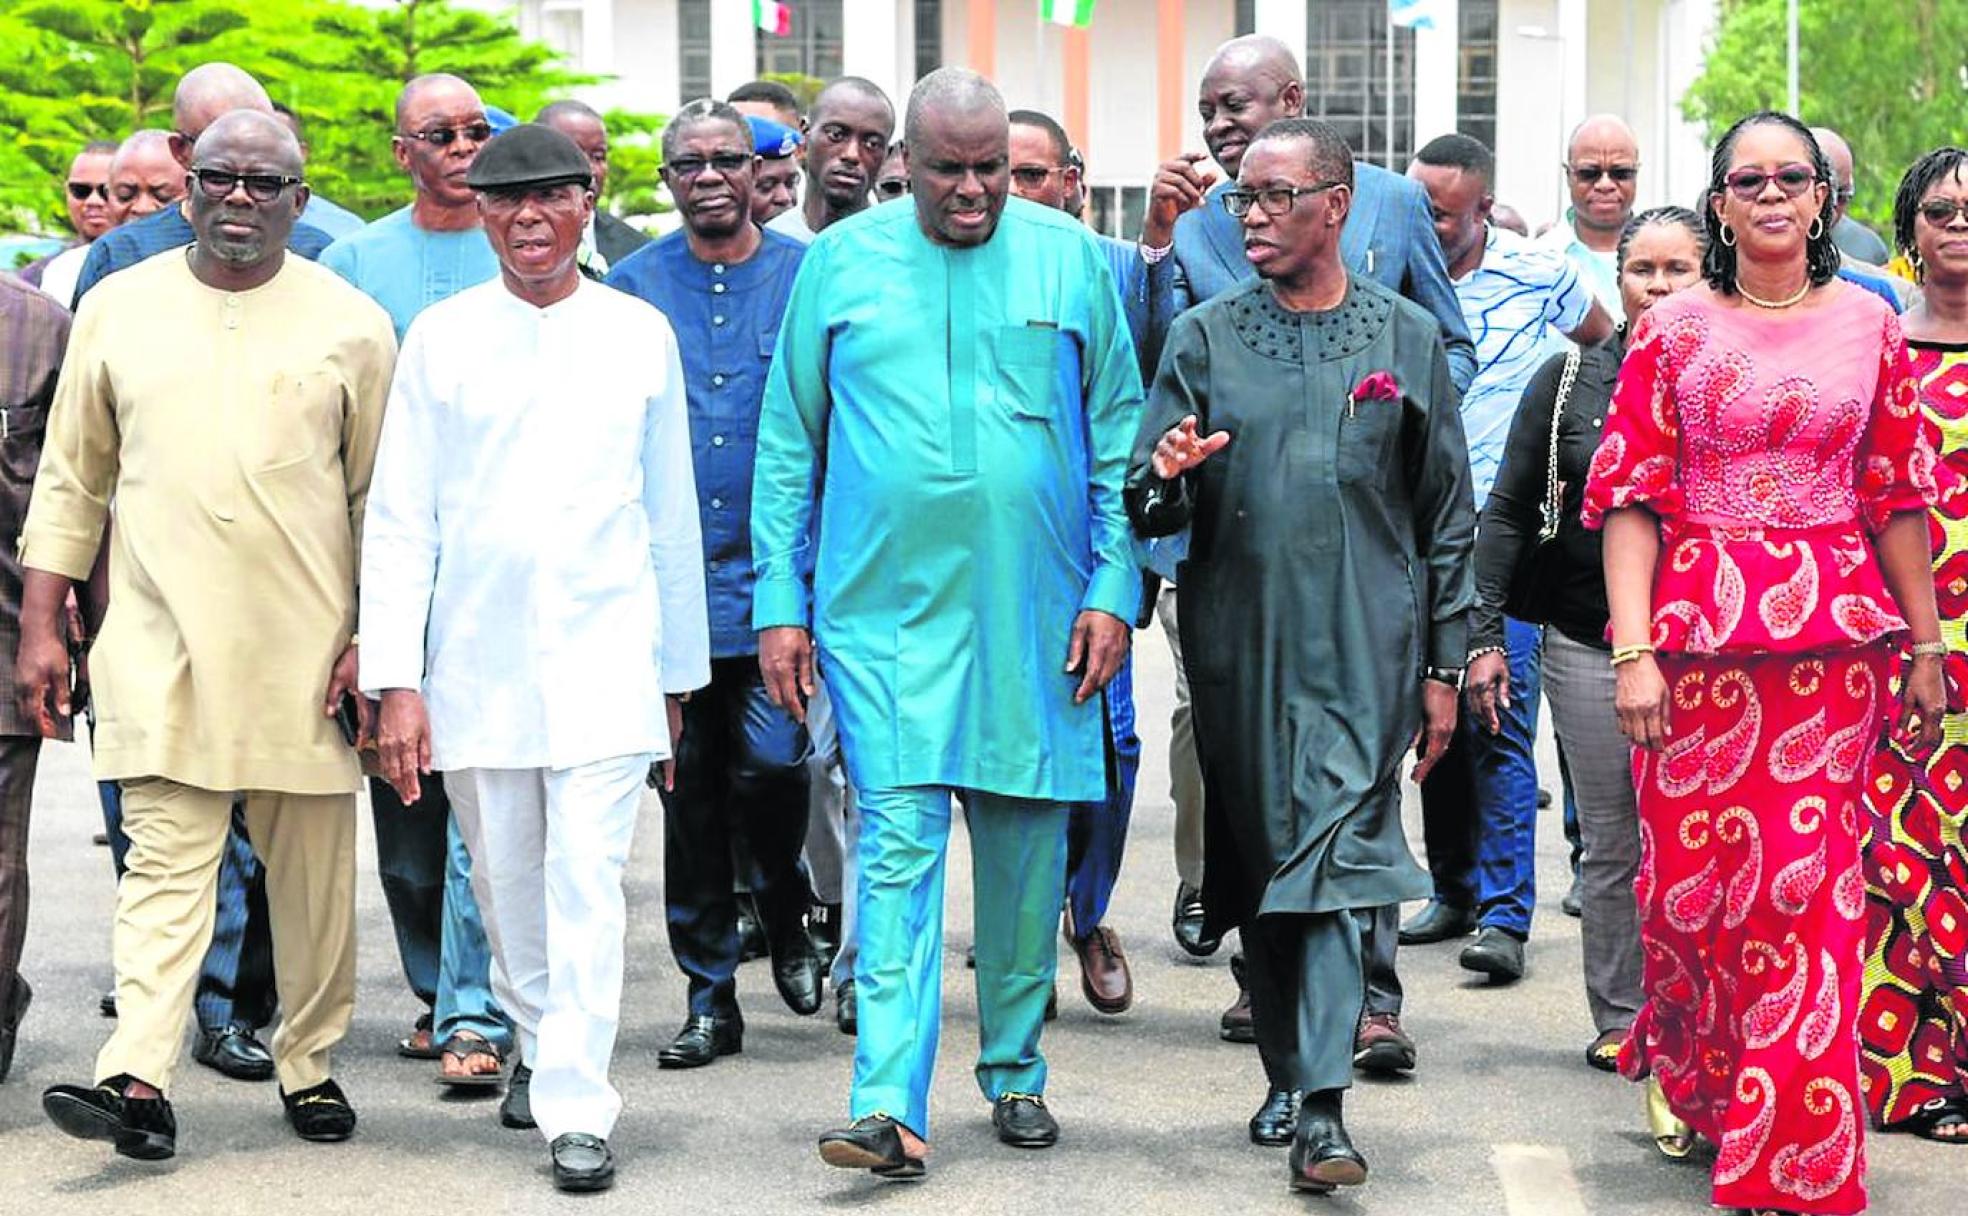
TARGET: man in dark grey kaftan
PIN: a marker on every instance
(1321, 604)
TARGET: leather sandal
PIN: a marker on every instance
(463, 1047)
(1930, 1117)
(1604, 1054)
(1672, 1138)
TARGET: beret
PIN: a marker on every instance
(773, 140)
(529, 155)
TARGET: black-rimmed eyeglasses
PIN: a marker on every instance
(1275, 200)
(260, 187)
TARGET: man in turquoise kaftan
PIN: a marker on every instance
(943, 441)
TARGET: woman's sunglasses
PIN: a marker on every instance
(1748, 184)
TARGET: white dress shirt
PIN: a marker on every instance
(532, 557)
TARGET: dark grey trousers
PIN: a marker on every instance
(1307, 985)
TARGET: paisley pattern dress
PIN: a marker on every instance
(1913, 1027)
(1771, 449)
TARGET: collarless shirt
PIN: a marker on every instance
(407, 269)
(726, 317)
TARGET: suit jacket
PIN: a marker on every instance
(1389, 238)
(615, 240)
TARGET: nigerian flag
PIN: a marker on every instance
(1067, 12)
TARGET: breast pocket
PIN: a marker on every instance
(1028, 370)
(1365, 436)
(299, 417)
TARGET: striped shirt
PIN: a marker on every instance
(33, 337)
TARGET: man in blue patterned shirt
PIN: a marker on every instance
(722, 282)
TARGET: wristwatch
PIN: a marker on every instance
(1452, 676)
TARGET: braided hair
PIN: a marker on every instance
(1822, 258)
(1926, 173)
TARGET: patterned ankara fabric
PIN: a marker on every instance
(1752, 910)
(1913, 1027)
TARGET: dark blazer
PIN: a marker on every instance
(615, 240)
(1389, 238)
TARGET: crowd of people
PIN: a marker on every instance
(824, 517)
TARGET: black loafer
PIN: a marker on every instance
(844, 1011)
(10, 1020)
(1023, 1121)
(320, 1113)
(751, 932)
(1497, 953)
(702, 1040)
(798, 970)
(1275, 1121)
(1187, 922)
(143, 1128)
(233, 1051)
(582, 1162)
(872, 1142)
(516, 1108)
(1438, 922)
(1322, 1154)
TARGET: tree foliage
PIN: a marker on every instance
(76, 70)
(1890, 75)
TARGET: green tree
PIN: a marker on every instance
(1890, 75)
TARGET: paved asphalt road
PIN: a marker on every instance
(1503, 1117)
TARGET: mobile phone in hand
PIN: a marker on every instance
(348, 719)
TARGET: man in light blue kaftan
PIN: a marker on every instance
(951, 402)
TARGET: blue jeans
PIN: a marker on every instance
(1096, 832)
(1507, 791)
(426, 873)
(235, 981)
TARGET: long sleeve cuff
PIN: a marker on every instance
(1448, 642)
(387, 659)
(1114, 590)
(68, 554)
(783, 601)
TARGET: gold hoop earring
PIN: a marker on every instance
(1728, 236)
(1918, 265)
(1817, 229)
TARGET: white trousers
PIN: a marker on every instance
(548, 848)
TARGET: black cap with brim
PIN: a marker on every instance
(528, 157)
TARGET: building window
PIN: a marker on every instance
(1476, 71)
(561, 29)
(929, 36)
(813, 48)
(693, 49)
(1346, 77)
(1118, 210)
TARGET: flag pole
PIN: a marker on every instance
(1387, 151)
(1790, 53)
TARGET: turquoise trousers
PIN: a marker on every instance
(1018, 874)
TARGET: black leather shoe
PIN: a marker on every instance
(1574, 902)
(751, 931)
(516, 1108)
(233, 1051)
(702, 1040)
(1274, 1122)
(320, 1112)
(1438, 922)
(1322, 1155)
(1497, 953)
(872, 1142)
(1023, 1121)
(798, 970)
(143, 1128)
(582, 1162)
(1188, 923)
(10, 1020)
(844, 1012)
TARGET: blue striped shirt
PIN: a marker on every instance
(123, 247)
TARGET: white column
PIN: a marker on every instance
(734, 49)
(871, 43)
(1436, 73)
(1283, 20)
(598, 37)
(1573, 44)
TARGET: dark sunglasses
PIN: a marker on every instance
(894, 187)
(444, 137)
(260, 187)
(1748, 184)
(1940, 212)
(1588, 175)
(82, 190)
(1033, 176)
(726, 163)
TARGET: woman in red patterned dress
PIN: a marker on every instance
(1763, 484)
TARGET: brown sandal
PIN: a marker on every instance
(463, 1047)
(419, 1044)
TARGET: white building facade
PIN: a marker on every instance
(1517, 74)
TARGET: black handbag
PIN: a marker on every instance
(1534, 583)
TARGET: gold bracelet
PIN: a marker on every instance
(1936, 650)
(1622, 655)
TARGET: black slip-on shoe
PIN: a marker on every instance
(798, 970)
(516, 1108)
(582, 1162)
(1187, 922)
(1023, 1121)
(702, 1040)
(232, 1051)
(143, 1128)
(1322, 1154)
(1275, 1121)
(320, 1112)
(872, 1142)
(845, 1015)
(1497, 953)
(1438, 922)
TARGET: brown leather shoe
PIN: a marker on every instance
(1235, 1024)
(1104, 976)
(1381, 1046)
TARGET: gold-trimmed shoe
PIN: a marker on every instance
(1673, 1139)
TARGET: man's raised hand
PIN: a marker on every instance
(1179, 186)
(1181, 449)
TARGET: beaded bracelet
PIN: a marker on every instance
(1937, 650)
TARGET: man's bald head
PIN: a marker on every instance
(431, 89)
(1256, 57)
(948, 93)
(1602, 131)
(212, 89)
(255, 134)
(1250, 83)
(144, 176)
(1839, 154)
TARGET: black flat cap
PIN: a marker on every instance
(526, 156)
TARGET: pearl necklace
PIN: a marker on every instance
(1774, 305)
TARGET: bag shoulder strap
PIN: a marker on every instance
(1553, 507)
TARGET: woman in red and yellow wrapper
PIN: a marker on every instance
(1913, 1025)
(1763, 485)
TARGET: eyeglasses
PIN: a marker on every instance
(726, 163)
(1589, 175)
(444, 137)
(1940, 212)
(1276, 200)
(1748, 184)
(82, 190)
(260, 187)
(1033, 176)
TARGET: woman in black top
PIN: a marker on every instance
(1560, 581)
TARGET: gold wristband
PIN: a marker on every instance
(1936, 650)
(1622, 655)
